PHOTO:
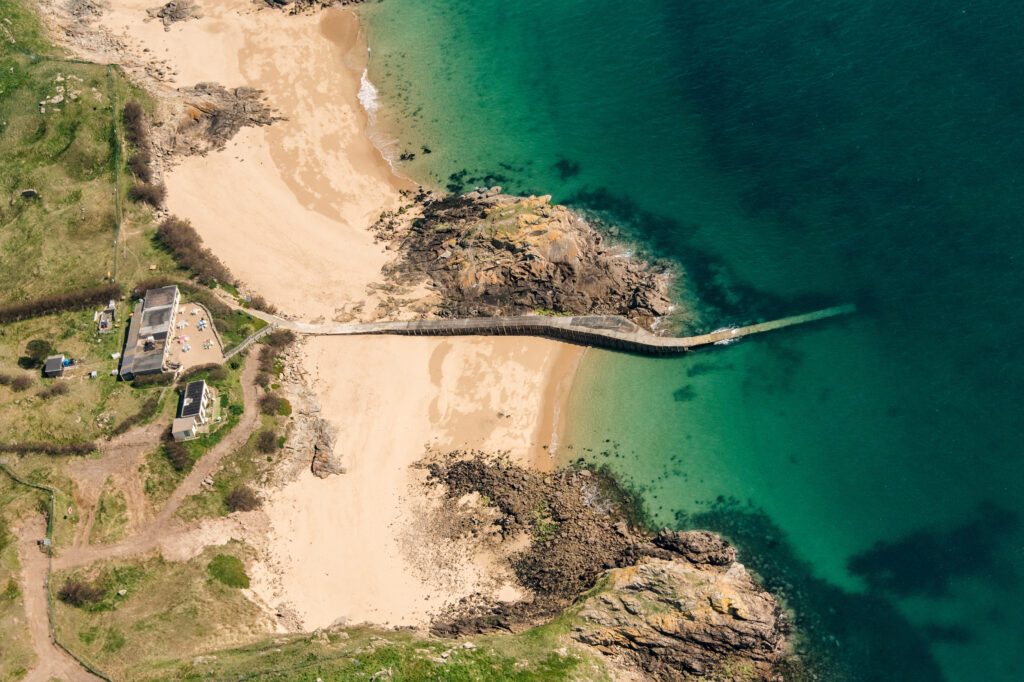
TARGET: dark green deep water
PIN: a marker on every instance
(783, 155)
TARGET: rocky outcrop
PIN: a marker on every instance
(490, 254)
(675, 620)
(212, 114)
(175, 11)
(325, 461)
(675, 606)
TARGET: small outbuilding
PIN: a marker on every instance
(53, 367)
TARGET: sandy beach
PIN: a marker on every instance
(350, 547)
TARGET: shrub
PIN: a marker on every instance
(152, 193)
(57, 302)
(54, 390)
(78, 592)
(271, 404)
(148, 380)
(229, 570)
(213, 372)
(267, 358)
(259, 303)
(184, 243)
(6, 379)
(279, 338)
(21, 383)
(139, 165)
(262, 379)
(135, 129)
(266, 441)
(242, 498)
(177, 454)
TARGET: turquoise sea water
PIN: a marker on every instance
(784, 155)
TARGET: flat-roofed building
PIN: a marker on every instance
(193, 411)
(146, 347)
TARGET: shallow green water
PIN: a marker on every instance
(785, 155)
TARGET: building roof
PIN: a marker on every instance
(54, 363)
(192, 399)
(156, 298)
(183, 424)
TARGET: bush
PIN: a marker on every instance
(267, 358)
(57, 302)
(184, 243)
(242, 498)
(139, 165)
(213, 371)
(228, 570)
(145, 413)
(266, 441)
(262, 379)
(148, 380)
(135, 129)
(6, 379)
(177, 454)
(54, 390)
(152, 193)
(21, 383)
(259, 303)
(271, 404)
(77, 592)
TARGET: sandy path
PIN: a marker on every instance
(51, 661)
(151, 535)
(349, 547)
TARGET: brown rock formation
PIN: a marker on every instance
(676, 606)
(212, 114)
(490, 254)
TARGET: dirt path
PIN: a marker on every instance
(149, 535)
(52, 661)
(120, 459)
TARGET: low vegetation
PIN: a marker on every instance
(152, 193)
(186, 246)
(242, 498)
(54, 390)
(72, 300)
(43, 447)
(229, 570)
(147, 411)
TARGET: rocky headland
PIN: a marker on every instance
(485, 253)
(672, 606)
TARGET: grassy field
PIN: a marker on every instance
(190, 620)
(167, 609)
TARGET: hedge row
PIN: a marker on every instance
(72, 300)
(29, 448)
(184, 243)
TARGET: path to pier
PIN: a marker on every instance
(603, 331)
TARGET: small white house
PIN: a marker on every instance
(193, 411)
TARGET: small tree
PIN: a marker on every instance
(271, 404)
(266, 442)
(242, 498)
(38, 350)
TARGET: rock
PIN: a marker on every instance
(490, 254)
(212, 114)
(678, 621)
(325, 461)
(175, 11)
(697, 547)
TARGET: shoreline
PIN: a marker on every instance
(288, 208)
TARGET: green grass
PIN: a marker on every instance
(110, 524)
(229, 570)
